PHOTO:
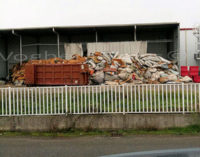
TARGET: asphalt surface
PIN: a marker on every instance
(91, 146)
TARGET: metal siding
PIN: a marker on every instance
(13, 47)
(28, 51)
(188, 41)
(13, 50)
(158, 48)
(48, 51)
(121, 47)
(183, 56)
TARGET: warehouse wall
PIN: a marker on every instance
(63, 39)
(28, 51)
(154, 35)
(158, 48)
(34, 51)
(2, 57)
(166, 39)
(82, 37)
(163, 42)
(105, 36)
(51, 50)
(13, 43)
(188, 48)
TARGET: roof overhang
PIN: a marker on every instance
(92, 28)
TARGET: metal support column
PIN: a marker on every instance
(177, 44)
(58, 41)
(96, 36)
(38, 48)
(6, 55)
(135, 36)
(186, 49)
(20, 37)
(20, 45)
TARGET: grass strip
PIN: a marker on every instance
(189, 130)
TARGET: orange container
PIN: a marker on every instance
(56, 74)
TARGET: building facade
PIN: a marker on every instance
(19, 45)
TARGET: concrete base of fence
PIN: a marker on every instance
(100, 122)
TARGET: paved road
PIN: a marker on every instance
(90, 146)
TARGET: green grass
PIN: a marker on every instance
(190, 130)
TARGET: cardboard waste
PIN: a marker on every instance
(116, 69)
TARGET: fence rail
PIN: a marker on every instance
(145, 98)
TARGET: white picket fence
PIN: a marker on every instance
(145, 98)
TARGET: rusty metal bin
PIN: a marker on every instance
(56, 74)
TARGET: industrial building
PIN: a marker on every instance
(18, 45)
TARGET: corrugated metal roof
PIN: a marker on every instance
(92, 26)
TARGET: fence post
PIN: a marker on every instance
(66, 110)
(9, 99)
(123, 100)
(183, 98)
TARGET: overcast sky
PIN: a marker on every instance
(40, 13)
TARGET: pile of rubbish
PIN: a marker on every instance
(75, 59)
(117, 69)
(18, 74)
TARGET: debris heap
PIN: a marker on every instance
(18, 74)
(114, 69)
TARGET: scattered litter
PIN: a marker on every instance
(186, 79)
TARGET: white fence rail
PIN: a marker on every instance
(160, 98)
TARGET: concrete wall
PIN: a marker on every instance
(100, 122)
